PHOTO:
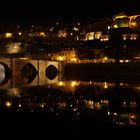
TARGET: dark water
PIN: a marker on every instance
(71, 107)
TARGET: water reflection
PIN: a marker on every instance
(2, 73)
(104, 102)
(12, 48)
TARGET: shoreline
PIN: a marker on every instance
(106, 71)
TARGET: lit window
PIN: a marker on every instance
(133, 36)
(120, 16)
(74, 83)
(61, 83)
(8, 35)
(104, 37)
(19, 33)
(8, 104)
(133, 24)
(98, 35)
(108, 27)
(105, 85)
(124, 36)
(115, 26)
(74, 59)
(76, 29)
(62, 33)
(60, 58)
(121, 61)
(42, 34)
(91, 36)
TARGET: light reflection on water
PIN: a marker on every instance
(117, 102)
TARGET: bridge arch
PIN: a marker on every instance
(51, 72)
(5, 73)
(28, 73)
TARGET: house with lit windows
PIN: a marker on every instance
(119, 35)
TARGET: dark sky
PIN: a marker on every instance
(41, 11)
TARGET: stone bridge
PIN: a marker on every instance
(17, 72)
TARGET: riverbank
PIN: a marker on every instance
(103, 72)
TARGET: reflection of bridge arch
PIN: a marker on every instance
(5, 73)
(28, 73)
(51, 72)
(24, 72)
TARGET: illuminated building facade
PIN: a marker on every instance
(122, 20)
(101, 30)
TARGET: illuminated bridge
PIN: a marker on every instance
(21, 72)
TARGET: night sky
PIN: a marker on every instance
(49, 12)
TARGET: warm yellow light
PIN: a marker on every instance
(105, 59)
(121, 61)
(8, 35)
(73, 59)
(105, 85)
(76, 29)
(73, 83)
(8, 104)
(60, 58)
(42, 105)
(133, 24)
(132, 116)
(90, 36)
(98, 35)
(61, 83)
(104, 37)
(126, 61)
(98, 105)
(51, 29)
(24, 58)
(134, 38)
(19, 33)
(116, 26)
(62, 105)
(124, 38)
(62, 33)
(115, 114)
(122, 16)
(13, 48)
(90, 104)
(42, 34)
